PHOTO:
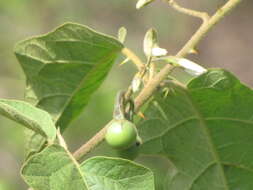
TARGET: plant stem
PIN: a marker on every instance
(202, 15)
(152, 85)
(90, 144)
(205, 27)
(134, 58)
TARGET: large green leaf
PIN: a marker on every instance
(116, 174)
(64, 67)
(205, 130)
(29, 116)
(55, 169)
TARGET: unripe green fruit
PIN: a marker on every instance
(132, 152)
(121, 134)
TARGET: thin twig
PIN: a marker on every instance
(92, 143)
(149, 89)
(202, 31)
(202, 15)
(134, 58)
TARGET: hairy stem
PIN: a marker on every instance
(134, 58)
(152, 85)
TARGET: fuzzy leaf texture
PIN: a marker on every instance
(55, 169)
(64, 67)
(116, 174)
(29, 116)
(206, 131)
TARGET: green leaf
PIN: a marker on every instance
(55, 169)
(34, 143)
(205, 130)
(64, 67)
(29, 116)
(116, 174)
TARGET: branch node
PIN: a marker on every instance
(202, 15)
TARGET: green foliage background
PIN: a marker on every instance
(229, 45)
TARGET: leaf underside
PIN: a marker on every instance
(29, 116)
(205, 130)
(64, 67)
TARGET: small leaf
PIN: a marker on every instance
(150, 41)
(29, 116)
(205, 130)
(142, 3)
(122, 34)
(116, 174)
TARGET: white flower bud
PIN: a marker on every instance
(191, 67)
(157, 51)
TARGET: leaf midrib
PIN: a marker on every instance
(203, 125)
(57, 119)
(28, 120)
(71, 95)
(117, 181)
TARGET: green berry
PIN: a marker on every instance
(121, 134)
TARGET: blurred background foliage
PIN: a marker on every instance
(228, 45)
